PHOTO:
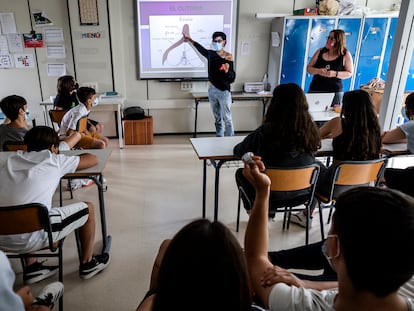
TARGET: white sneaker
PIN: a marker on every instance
(49, 295)
(300, 219)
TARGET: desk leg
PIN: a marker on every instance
(119, 127)
(106, 239)
(45, 115)
(217, 165)
(204, 187)
(196, 101)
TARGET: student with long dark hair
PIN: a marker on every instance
(356, 135)
(288, 136)
(202, 268)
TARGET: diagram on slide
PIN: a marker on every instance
(167, 44)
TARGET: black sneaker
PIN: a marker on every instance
(96, 265)
(37, 272)
(49, 295)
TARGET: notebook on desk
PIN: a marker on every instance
(319, 101)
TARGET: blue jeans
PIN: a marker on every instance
(220, 102)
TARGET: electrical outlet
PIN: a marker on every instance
(93, 85)
(186, 86)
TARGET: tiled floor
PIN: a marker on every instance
(153, 190)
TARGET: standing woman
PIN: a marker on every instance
(288, 137)
(330, 65)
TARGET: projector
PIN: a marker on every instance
(253, 87)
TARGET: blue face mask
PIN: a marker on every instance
(217, 46)
(95, 103)
(27, 115)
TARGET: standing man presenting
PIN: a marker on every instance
(220, 75)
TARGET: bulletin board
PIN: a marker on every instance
(88, 12)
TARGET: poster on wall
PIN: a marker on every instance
(33, 40)
(56, 70)
(24, 61)
(15, 42)
(88, 12)
(6, 61)
(7, 23)
(40, 19)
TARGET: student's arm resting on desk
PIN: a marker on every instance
(87, 160)
(249, 144)
(331, 129)
(394, 136)
(256, 241)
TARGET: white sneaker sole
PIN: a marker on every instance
(97, 269)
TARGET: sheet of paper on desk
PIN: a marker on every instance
(395, 147)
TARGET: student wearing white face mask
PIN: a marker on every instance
(15, 109)
(89, 140)
(220, 75)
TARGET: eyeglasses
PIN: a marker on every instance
(330, 38)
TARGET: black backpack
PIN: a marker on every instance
(134, 113)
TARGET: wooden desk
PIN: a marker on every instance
(203, 96)
(217, 150)
(104, 105)
(401, 161)
(96, 174)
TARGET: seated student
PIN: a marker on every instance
(203, 268)
(23, 298)
(288, 136)
(15, 107)
(356, 135)
(33, 176)
(371, 263)
(87, 97)
(66, 99)
(401, 179)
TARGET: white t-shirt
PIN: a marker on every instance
(9, 300)
(32, 177)
(71, 118)
(408, 129)
(290, 298)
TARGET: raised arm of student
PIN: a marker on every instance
(257, 235)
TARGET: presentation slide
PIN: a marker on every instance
(162, 52)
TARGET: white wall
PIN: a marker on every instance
(93, 61)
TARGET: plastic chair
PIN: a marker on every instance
(347, 175)
(27, 218)
(82, 124)
(14, 146)
(290, 188)
(56, 117)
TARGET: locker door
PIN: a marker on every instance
(373, 36)
(388, 48)
(351, 27)
(320, 29)
(296, 32)
(409, 86)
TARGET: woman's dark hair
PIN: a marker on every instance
(375, 228)
(289, 120)
(41, 138)
(66, 84)
(203, 269)
(360, 127)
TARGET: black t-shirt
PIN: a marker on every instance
(66, 101)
